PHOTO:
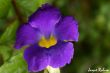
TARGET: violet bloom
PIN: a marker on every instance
(49, 34)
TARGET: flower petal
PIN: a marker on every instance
(26, 35)
(45, 19)
(67, 29)
(37, 58)
(61, 54)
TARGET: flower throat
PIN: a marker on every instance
(47, 43)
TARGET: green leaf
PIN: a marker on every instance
(27, 7)
(15, 65)
(5, 52)
(9, 33)
(4, 7)
(2, 26)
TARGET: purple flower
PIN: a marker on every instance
(49, 34)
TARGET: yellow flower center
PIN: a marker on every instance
(47, 42)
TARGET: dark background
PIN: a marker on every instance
(91, 51)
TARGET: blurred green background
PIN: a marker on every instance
(92, 50)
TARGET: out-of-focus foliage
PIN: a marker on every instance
(9, 33)
(91, 51)
(6, 52)
(4, 8)
(27, 7)
(15, 65)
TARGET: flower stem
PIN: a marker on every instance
(17, 11)
(46, 71)
(49, 69)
